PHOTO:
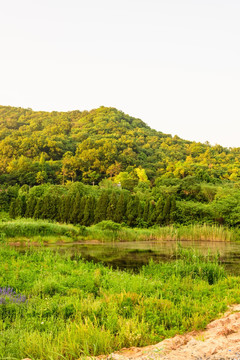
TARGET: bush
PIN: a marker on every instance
(108, 225)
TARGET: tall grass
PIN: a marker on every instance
(109, 231)
(189, 262)
(191, 232)
(30, 227)
(77, 309)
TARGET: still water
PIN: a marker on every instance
(132, 255)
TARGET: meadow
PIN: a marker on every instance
(54, 306)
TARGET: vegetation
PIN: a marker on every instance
(87, 167)
(39, 231)
(40, 147)
(106, 176)
(86, 205)
(191, 232)
(73, 309)
(31, 228)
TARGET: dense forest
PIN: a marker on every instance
(85, 167)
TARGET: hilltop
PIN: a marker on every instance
(87, 146)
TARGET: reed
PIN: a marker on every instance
(109, 231)
(191, 232)
(30, 227)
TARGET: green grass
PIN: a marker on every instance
(31, 228)
(76, 309)
(46, 231)
(191, 232)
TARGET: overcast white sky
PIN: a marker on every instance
(173, 63)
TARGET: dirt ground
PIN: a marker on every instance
(219, 341)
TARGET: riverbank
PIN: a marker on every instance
(63, 307)
(40, 231)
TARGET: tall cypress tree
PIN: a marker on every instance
(132, 211)
(45, 207)
(140, 211)
(30, 208)
(159, 211)
(112, 207)
(54, 209)
(49, 210)
(66, 208)
(58, 204)
(38, 209)
(19, 207)
(12, 209)
(76, 209)
(173, 209)
(146, 211)
(152, 213)
(60, 208)
(101, 208)
(24, 204)
(88, 218)
(81, 210)
(120, 209)
(166, 210)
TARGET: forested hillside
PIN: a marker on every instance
(86, 167)
(40, 147)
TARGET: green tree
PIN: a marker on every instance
(132, 211)
(88, 218)
(159, 211)
(12, 208)
(173, 209)
(101, 208)
(119, 215)
(30, 208)
(67, 206)
(49, 207)
(152, 213)
(111, 209)
(166, 210)
(19, 207)
(146, 212)
(82, 210)
(38, 209)
(76, 209)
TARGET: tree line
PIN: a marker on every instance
(167, 203)
(87, 210)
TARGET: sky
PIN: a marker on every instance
(175, 64)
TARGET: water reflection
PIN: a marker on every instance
(132, 255)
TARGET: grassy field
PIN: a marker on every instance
(45, 231)
(65, 308)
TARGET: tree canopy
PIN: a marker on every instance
(88, 146)
(103, 165)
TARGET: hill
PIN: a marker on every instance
(87, 146)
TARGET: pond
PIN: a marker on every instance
(132, 255)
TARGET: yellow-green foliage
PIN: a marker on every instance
(39, 146)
